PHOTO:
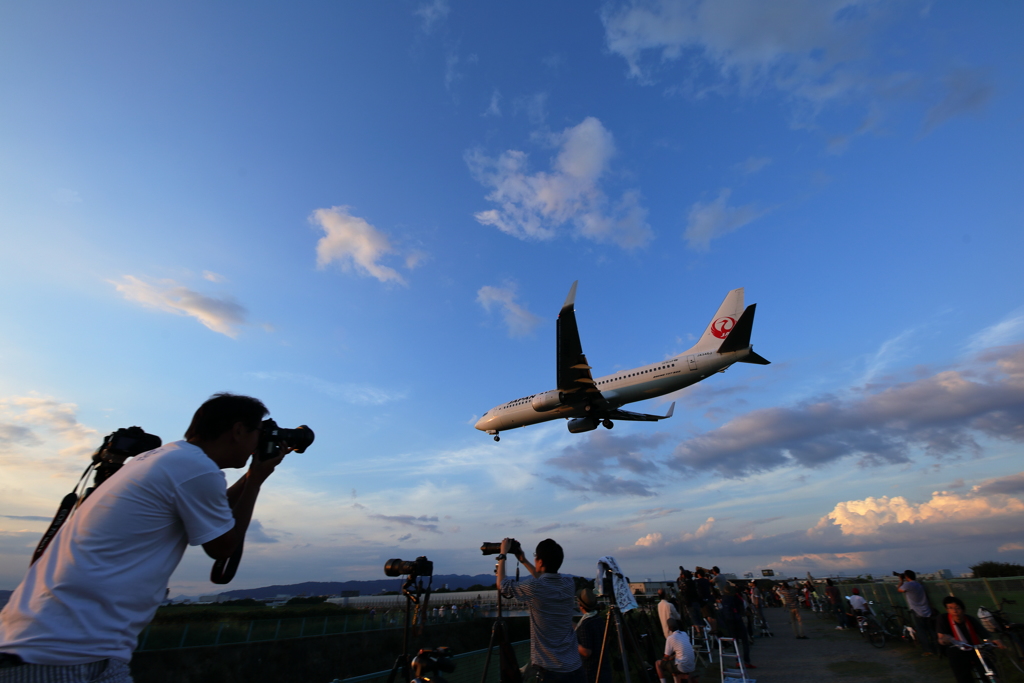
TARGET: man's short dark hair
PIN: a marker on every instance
(911, 575)
(674, 625)
(551, 554)
(716, 570)
(221, 412)
(952, 600)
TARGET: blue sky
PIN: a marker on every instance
(368, 215)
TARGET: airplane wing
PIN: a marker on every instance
(574, 377)
(638, 417)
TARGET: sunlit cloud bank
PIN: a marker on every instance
(223, 315)
(537, 205)
(940, 416)
(354, 244)
(518, 319)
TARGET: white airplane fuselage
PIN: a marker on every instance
(628, 386)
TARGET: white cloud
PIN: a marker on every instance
(1010, 547)
(753, 164)
(649, 539)
(213, 277)
(494, 108)
(432, 14)
(714, 219)
(20, 414)
(1006, 331)
(520, 321)
(353, 243)
(966, 91)
(536, 205)
(223, 315)
(871, 515)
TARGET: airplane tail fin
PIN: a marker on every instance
(739, 338)
(722, 324)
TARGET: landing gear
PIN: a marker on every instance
(497, 438)
(607, 424)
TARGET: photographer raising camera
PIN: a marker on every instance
(78, 612)
(551, 598)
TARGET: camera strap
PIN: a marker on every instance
(224, 570)
(63, 512)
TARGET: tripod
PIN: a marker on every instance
(622, 631)
(403, 661)
(508, 666)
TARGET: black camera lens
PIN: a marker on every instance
(421, 566)
(490, 548)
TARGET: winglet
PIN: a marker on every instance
(671, 409)
(571, 299)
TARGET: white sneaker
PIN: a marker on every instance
(840, 628)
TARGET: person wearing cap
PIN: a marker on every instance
(589, 635)
(679, 660)
(666, 611)
(857, 602)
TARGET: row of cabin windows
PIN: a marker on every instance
(663, 367)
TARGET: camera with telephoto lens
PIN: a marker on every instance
(421, 566)
(430, 661)
(494, 548)
(273, 437)
(119, 446)
(900, 574)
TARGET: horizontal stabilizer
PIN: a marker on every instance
(755, 359)
(638, 417)
(739, 337)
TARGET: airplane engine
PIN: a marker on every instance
(582, 424)
(549, 400)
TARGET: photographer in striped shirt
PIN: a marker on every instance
(551, 598)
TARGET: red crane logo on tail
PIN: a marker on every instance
(722, 327)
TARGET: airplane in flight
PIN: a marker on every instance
(587, 402)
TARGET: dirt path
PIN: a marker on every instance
(831, 655)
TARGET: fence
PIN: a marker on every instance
(974, 592)
(469, 667)
(172, 636)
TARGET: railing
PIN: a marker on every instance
(172, 636)
(974, 593)
(469, 667)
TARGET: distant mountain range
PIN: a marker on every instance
(364, 587)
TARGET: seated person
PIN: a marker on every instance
(679, 660)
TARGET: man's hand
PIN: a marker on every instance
(259, 470)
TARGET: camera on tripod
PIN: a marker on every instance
(273, 437)
(439, 660)
(494, 548)
(421, 566)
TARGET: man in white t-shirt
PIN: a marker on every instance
(679, 661)
(666, 611)
(78, 612)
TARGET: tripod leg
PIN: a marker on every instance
(622, 643)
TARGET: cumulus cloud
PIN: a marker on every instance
(870, 515)
(536, 206)
(20, 414)
(520, 321)
(939, 415)
(649, 539)
(353, 243)
(223, 315)
(711, 220)
(596, 458)
(966, 91)
(257, 534)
